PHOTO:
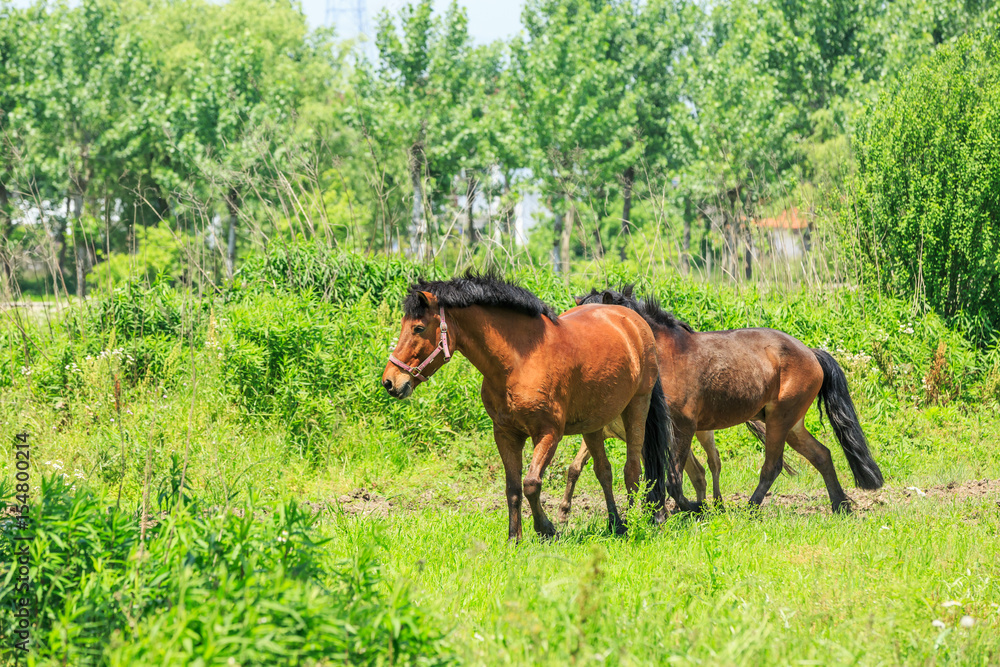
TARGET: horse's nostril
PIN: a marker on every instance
(387, 384)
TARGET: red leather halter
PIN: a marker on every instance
(417, 371)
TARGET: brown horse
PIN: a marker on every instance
(544, 376)
(719, 379)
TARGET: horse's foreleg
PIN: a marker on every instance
(696, 473)
(545, 449)
(511, 447)
(707, 440)
(572, 475)
(594, 442)
(817, 454)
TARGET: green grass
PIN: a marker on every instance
(270, 392)
(730, 589)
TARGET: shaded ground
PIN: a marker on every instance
(361, 502)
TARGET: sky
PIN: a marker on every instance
(488, 19)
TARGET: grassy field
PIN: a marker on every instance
(222, 479)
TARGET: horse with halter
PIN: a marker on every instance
(718, 379)
(544, 376)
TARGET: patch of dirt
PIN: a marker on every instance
(362, 502)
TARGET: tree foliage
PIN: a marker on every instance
(926, 200)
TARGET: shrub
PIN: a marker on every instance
(329, 274)
(926, 196)
(244, 587)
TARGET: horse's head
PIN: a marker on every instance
(423, 337)
(607, 297)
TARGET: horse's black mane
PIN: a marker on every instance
(477, 289)
(649, 308)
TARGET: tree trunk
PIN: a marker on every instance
(61, 240)
(558, 223)
(748, 252)
(706, 251)
(419, 222)
(79, 248)
(231, 237)
(686, 247)
(6, 227)
(470, 200)
(628, 178)
(564, 241)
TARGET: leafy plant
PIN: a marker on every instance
(925, 198)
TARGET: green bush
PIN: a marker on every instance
(247, 585)
(926, 197)
(329, 274)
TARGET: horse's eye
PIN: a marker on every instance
(418, 330)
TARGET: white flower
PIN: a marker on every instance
(967, 621)
(937, 623)
(951, 603)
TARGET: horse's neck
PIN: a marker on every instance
(675, 338)
(494, 340)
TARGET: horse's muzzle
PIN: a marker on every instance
(402, 391)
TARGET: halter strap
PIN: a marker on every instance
(442, 346)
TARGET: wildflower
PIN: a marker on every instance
(967, 621)
(951, 603)
(938, 623)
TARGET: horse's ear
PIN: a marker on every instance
(579, 300)
(629, 289)
(607, 299)
(428, 300)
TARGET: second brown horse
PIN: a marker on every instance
(717, 379)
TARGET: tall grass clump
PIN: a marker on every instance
(244, 585)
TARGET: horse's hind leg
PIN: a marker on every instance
(707, 440)
(545, 449)
(572, 475)
(594, 442)
(682, 448)
(817, 454)
(696, 473)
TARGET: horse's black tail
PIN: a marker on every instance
(657, 450)
(843, 418)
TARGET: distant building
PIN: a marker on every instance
(788, 232)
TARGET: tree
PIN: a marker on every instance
(419, 99)
(571, 80)
(926, 197)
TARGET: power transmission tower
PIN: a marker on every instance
(343, 13)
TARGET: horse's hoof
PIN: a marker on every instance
(563, 515)
(546, 531)
(617, 528)
(843, 508)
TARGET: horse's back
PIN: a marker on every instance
(739, 371)
(601, 357)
